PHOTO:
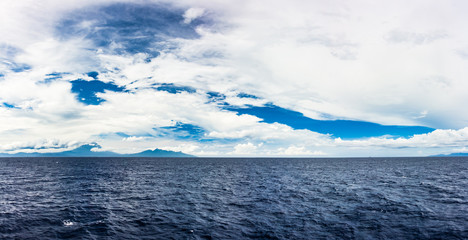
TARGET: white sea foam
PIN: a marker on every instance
(68, 223)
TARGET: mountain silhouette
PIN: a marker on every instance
(86, 151)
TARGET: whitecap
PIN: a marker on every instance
(68, 223)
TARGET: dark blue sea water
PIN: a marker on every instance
(198, 198)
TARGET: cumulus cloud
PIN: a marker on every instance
(385, 63)
(134, 139)
(299, 151)
(436, 139)
(42, 145)
(192, 13)
(293, 59)
(244, 148)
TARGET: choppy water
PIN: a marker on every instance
(116, 198)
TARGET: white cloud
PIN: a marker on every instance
(192, 14)
(41, 145)
(436, 139)
(385, 63)
(244, 148)
(458, 150)
(295, 58)
(299, 151)
(52, 55)
(134, 139)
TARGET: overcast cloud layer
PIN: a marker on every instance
(137, 75)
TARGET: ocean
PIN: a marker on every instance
(239, 198)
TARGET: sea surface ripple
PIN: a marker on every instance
(219, 198)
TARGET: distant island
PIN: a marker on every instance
(460, 154)
(85, 151)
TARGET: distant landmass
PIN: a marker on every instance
(85, 151)
(461, 154)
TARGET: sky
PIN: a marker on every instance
(238, 78)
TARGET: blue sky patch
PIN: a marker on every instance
(94, 75)
(20, 67)
(215, 96)
(8, 105)
(121, 134)
(133, 28)
(346, 129)
(16, 67)
(53, 76)
(183, 131)
(186, 131)
(171, 88)
(245, 95)
(86, 90)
